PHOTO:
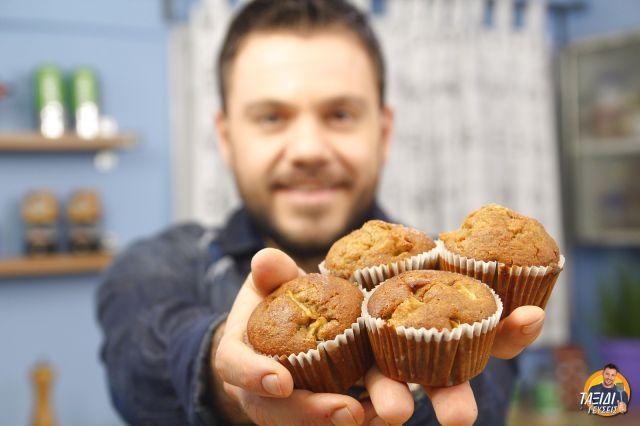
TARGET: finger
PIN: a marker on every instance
(453, 405)
(270, 268)
(232, 391)
(303, 407)
(517, 331)
(378, 421)
(392, 400)
(235, 362)
(238, 365)
(369, 411)
(371, 418)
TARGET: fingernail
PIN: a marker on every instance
(271, 384)
(343, 416)
(531, 328)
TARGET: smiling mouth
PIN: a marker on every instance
(309, 189)
(309, 186)
(309, 194)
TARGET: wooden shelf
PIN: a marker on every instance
(35, 142)
(54, 265)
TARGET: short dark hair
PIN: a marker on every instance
(611, 367)
(300, 16)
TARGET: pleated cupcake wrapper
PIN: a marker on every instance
(428, 356)
(516, 285)
(334, 365)
(369, 278)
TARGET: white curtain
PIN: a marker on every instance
(472, 91)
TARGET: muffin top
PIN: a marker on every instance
(303, 312)
(426, 299)
(376, 243)
(496, 233)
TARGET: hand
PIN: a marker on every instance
(264, 388)
(622, 407)
(456, 405)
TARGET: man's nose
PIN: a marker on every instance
(307, 145)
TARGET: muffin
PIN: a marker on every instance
(377, 251)
(434, 328)
(312, 325)
(510, 252)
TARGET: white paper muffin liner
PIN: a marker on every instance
(368, 278)
(516, 285)
(334, 365)
(428, 356)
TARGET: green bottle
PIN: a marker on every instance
(50, 100)
(84, 101)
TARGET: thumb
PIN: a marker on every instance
(517, 331)
(271, 268)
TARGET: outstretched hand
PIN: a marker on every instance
(264, 388)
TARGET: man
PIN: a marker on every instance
(605, 397)
(305, 129)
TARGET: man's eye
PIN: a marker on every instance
(270, 118)
(341, 117)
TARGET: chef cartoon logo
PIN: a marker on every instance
(606, 392)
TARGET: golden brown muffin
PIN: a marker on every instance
(303, 312)
(496, 233)
(376, 243)
(426, 299)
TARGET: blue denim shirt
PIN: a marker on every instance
(162, 299)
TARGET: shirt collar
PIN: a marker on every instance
(240, 236)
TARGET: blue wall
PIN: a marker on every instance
(54, 319)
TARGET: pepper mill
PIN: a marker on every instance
(42, 379)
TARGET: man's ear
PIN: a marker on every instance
(222, 131)
(387, 130)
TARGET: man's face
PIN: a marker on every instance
(609, 376)
(304, 133)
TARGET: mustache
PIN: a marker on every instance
(321, 179)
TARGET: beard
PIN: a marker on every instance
(324, 177)
(305, 249)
